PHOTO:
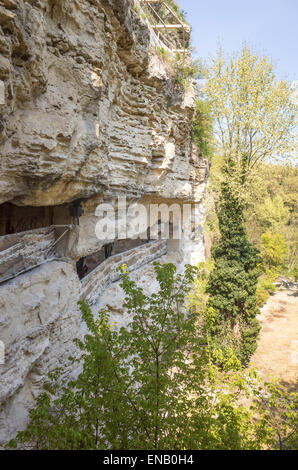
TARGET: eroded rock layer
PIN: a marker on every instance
(88, 109)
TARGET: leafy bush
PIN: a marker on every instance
(274, 250)
(142, 14)
(152, 385)
(183, 69)
(265, 287)
(272, 214)
(186, 70)
(202, 127)
(294, 273)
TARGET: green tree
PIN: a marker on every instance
(233, 281)
(273, 207)
(152, 385)
(254, 118)
(273, 214)
(134, 390)
(274, 250)
(254, 114)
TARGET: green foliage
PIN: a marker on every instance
(202, 127)
(277, 186)
(183, 69)
(152, 385)
(163, 53)
(253, 118)
(137, 8)
(134, 391)
(279, 414)
(198, 298)
(274, 250)
(265, 287)
(294, 272)
(254, 114)
(233, 281)
(272, 214)
(186, 70)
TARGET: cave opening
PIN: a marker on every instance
(16, 219)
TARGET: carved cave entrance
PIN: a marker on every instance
(15, 219)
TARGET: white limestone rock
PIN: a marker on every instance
(40, 319)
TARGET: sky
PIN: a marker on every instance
(269, 26)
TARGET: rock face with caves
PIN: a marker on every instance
(88, 112)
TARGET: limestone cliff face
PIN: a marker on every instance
(87, 112)
(38, 321)
(88, 108)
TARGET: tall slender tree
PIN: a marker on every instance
(233, 281)
(254, 120)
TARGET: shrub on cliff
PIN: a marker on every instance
(202, 127)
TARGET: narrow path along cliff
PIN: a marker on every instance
(277, 352)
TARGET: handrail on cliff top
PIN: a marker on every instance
(153, 15)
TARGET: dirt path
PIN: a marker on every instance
(277, 353)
